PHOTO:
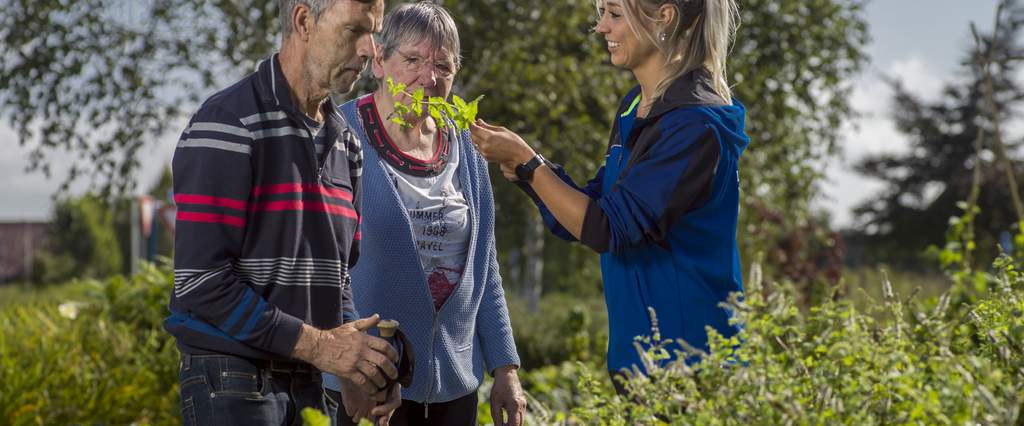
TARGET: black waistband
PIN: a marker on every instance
(284, 366)
(274, 366)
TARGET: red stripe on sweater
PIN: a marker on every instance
(211, 218)
(287, 188)
(301, 205)
(209, 201)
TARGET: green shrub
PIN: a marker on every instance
(565, 328)
(82, 242)
(895, 364)
(103, 358)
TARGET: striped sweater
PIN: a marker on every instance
(267, 222)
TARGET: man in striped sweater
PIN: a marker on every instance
(267, 181)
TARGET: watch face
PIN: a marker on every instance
(523, 173)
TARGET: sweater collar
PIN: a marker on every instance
(273, 88)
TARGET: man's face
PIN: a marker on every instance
(341, 44)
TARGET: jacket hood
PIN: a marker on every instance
(696, 89)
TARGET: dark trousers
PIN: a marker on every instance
(619, 387)
(229, 390)
(458, 412)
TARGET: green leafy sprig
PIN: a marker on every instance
(459, 111)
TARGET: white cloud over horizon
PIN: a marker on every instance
(874, 131)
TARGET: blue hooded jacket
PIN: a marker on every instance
(663, 215)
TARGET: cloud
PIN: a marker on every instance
(918, 77)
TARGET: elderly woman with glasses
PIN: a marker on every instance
(427, 247)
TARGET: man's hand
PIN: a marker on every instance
(507, 395)
(349, 353)
(357, 403)
(384, 411)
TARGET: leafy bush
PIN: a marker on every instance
(104, 358)
(82, 242)
(895, 364)
(101, 359)
(565, 328)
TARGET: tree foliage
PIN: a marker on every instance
(82, 243)
(926, 182)
(103, 78)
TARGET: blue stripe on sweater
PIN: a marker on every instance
(202, 327)
(237, 313)
(261, 305)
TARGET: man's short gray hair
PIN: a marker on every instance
(415, 22)
(316, 7)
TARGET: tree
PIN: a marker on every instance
(793, 65)
(129, 68)
(82, 244)
(926, 183)
(102, 78)
(545, 75)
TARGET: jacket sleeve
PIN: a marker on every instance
(494, 327)
(591, 190)
(671, 179)
(212, 182)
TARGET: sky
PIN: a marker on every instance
(917, 41)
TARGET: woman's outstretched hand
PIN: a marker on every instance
(500, 145)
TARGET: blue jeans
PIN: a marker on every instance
(229, 390)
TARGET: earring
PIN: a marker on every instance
(663, 37)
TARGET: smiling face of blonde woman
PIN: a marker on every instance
(626, 48)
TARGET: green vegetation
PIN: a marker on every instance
(99, 354)
(942, 344)
(459, 111)
(83, 242)
(95, 354)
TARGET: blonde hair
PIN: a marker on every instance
(699, 37)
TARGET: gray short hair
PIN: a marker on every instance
(285, 7)
(414, 22)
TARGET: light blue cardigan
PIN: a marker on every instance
(472, 331)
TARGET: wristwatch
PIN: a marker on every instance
(525, 171)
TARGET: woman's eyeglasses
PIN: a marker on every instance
(414, 63)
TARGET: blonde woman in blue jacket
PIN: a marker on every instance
(663, 209)
(427, 250)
